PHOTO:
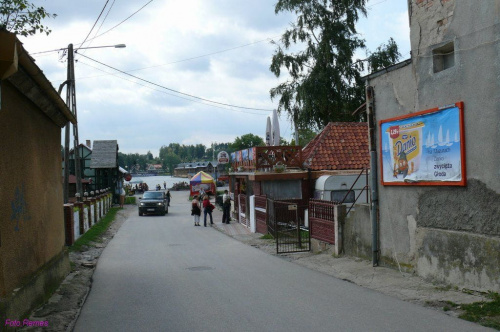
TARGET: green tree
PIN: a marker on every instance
(23, 18)
(325, 81)
(305, 136)
(247, 141)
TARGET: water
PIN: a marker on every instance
(152, 181)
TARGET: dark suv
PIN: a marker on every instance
(153, 202)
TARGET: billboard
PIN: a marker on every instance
(424, 148)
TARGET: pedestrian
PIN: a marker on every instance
(207, 209)
(122, 197)
(202, 193)
(164, 185)
(226, 207)
(169, 196)
(195, 210)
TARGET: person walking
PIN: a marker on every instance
(164, 185)
(226, 207)
(195, 210)
(207, 209)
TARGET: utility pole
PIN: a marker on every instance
(71, 103)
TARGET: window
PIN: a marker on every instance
(338, 196)
(443, 57)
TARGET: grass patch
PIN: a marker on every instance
(95, 231)
(267, 237)
(484, 313)
(130, 200)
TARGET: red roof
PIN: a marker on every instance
(339, 146)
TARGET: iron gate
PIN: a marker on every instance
(286, 225)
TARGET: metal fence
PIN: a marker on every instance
(321, 220)
(286, 224)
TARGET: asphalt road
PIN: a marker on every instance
(164, 274)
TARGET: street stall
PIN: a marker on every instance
(202, 181)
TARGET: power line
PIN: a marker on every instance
(169, 94)
(121, 21)
(102, 11)
(204, 55)
(182, 93)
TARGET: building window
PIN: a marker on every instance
(338, 196)
(443, 57)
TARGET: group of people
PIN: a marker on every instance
(197, 206)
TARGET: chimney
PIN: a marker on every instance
(88, 143)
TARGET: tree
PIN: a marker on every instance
(325, 81)
(23, 18)
(305, 136)
(246, 141)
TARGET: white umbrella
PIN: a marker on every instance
(268, 131)
(276, 129)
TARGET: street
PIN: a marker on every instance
(163, 274)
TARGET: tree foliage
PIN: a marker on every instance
(23, 18)
(325, 81)
(246, 141)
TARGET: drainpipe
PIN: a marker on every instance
(370, 111)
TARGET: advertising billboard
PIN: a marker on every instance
(424, 148)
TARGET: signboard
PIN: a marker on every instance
(424, 148)
(222, 157)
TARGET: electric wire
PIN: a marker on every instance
(102, 22)
(169, 89)
(164, 92)
(102, 11)
(121, 21)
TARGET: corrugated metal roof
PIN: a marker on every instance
(104, 154)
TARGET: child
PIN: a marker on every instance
(195, 210)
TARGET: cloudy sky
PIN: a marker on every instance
(217, 50)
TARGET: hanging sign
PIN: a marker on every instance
(424, 148)
(222, 157)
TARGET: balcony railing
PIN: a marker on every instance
(265, 158)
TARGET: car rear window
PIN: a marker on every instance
(158, 195)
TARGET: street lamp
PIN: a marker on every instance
(71, 103)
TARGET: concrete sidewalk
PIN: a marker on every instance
(388, 281)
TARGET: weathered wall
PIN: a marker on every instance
(435, 229)
(358, 232)
(31, 227)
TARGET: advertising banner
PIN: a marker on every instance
(424, 148)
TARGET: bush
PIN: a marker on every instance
(130, 200)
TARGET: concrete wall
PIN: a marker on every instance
(31, 210)
(433, 230)
(358, 232)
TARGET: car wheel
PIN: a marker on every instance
(140, 213)
(163, 213)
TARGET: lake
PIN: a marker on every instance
(152, 181)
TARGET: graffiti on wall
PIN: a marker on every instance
(19, 207)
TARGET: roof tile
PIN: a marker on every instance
(340, 146)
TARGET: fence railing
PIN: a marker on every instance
(321, 220)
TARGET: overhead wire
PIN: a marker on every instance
(121, 21)
(97, 20)
(169, 89)
(164, 92)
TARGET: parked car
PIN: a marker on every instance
(153, 202)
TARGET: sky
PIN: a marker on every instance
(216, 50)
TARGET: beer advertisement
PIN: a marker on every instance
(424, 148)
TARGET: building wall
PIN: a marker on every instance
(440, 231)
(31, 198)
